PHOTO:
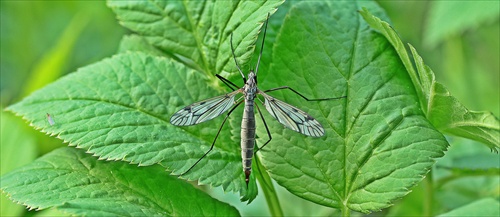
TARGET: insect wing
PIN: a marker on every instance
(204, 110)
(292, 117)
(50, 120)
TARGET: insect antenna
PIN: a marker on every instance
(262, 46)
(234, 57)
(227, 82)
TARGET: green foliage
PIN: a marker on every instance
(197, 34)
(381, 140)
(440, 107)
(367, 141)
(467, 174)
(18, 149)
(77, 183)
(126, 118)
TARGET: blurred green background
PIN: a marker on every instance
(41, 41)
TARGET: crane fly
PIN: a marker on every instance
(288, 115)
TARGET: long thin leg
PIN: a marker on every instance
(234, 57)
(259, 148)
(289, 88)
(262, 46)
(215, 139)
(227, 82)
(267, 129)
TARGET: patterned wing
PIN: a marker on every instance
(292, 117)
(204, 110)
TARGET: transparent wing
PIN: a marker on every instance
(204, 110)
(292, 117)
(50, 120)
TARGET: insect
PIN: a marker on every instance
(288, 115)
(50, 120)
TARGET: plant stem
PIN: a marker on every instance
(269, 192)
(429, 194)
(346, 212)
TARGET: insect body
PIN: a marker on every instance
(248, 125)
(50, 120)
(286, 114)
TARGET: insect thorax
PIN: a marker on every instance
(250, 87)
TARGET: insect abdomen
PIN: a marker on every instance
(247, 137)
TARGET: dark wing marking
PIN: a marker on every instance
(204, 110)
(292, 117)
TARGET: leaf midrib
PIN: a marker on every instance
(347, 112)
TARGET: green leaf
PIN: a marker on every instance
(450, 116)
(119, 109)
(378, 143)
(18, 148)
(444, 111)
(16, 136)
(78, 183)
(195, 33)
(445, 18)
(137, 43)
(483, 207)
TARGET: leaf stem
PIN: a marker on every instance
(346, 212)
(269, 192)
(429, 196)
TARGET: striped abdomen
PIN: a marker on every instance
(247, 137)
